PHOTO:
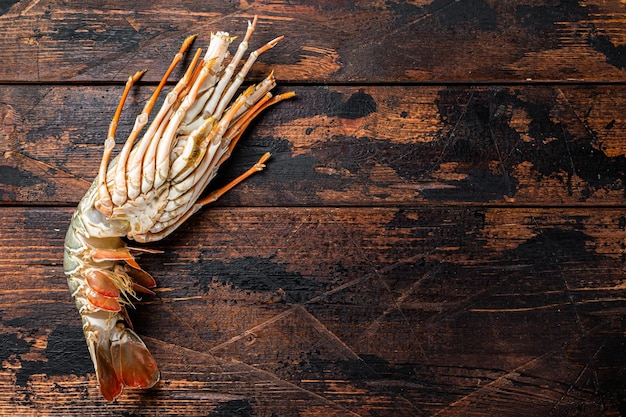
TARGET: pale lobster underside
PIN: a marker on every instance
(151, 188)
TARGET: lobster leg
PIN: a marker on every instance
(233, 135)
(235, 132)
(204, 201)
(120, 189)
(104, 203)
(236, 83)
(145, 155)
(221, 191)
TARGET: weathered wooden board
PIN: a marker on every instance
(327, 41)
(441, 229)
(346, 311)
(353, 145)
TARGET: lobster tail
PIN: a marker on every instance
(103, 282)
(133, 363)
(121, 359)
(108, 382)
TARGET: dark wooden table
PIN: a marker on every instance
(441, 230)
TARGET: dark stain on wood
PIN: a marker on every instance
(359, 104)
(544, 19)
(554, 152)
(234, 408)
(63, 355)
(15, 177)
(615, 55)
(268, 276)
(5, 5)
(482, 16)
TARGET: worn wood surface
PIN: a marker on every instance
(441, 230)
(357, 145)
(329, 41)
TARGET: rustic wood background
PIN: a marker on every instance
(440, 232)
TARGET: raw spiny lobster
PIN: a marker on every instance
(150, 189)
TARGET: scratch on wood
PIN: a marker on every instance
(516, 310)
(511, 373)
(333, 338)
(28, 7)
(253, 330)
(133, 23)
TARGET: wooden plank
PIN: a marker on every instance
(353, 145)
(392, 41)
(344, 311)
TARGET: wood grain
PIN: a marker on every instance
(341, 311)
(327, 41)
(354, 146)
